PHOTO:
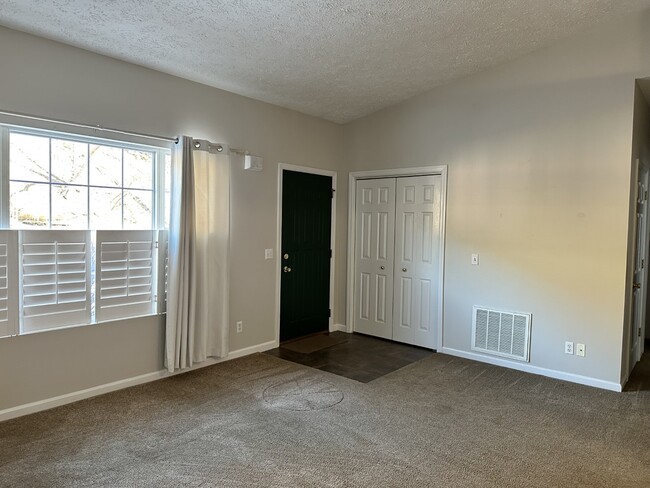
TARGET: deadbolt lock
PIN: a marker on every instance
(286, 256)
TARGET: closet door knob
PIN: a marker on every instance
(382, 267)
(404, 269)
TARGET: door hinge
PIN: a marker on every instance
(645, 196)
(642, 263)
(332, 190)
(157, 244)
(329, 313)
(639, 331)
(330, 253)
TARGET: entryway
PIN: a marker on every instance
(395, 277)
(356, 356)
(306, 251)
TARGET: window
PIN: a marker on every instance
(62, 182)
(84, 220)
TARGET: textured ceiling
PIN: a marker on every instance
(334, 59)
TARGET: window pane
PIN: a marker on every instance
(138, 207)
(105, 208)
(69, 206)
(69, 162)
(29, 157)
(29, 205)
(138, 169)
(105, 165)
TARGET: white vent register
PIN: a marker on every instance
(501, 333)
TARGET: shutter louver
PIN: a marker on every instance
(8, 283)
(125, 278)
(55, 281)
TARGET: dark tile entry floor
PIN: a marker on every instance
(361, 358)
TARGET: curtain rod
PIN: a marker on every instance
(88, 126)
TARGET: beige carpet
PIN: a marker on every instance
(263, 422)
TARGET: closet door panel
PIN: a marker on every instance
(375, 252)
(417, 253)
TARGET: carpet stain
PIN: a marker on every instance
(303, 394)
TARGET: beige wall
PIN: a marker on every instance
(539, 173)
(50, 79)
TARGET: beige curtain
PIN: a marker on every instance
(197, 298)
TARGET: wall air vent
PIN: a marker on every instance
(501, 333)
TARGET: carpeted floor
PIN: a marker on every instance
(261, 421)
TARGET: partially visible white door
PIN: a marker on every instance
(640, 256)
(417, 260)
(375, 231)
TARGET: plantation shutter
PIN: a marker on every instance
(125, 274)
(163, 270)
(8, 283)
(55, 278)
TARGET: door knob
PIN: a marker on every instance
(286, 269)
(382, 267)
(404, 269)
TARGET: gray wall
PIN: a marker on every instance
(49, 79)
(539, 175)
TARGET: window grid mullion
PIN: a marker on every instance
(49, 140)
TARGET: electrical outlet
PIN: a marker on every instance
(240, 326)
(568, 347)
(580, 350)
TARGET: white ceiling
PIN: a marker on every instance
(335, 59)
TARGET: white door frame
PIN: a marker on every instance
(282, 167)
(641, 172)
(352, 215)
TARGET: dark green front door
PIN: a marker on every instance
(305, 256)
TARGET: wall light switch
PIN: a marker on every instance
(268, 253)
(475, 259)
(580, 350)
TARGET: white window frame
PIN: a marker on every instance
(78, 134)
(158, 177)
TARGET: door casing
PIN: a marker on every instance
(277, 259)
(641, 173)
(352, 198)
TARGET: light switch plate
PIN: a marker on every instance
(475, 259)
(580, 350)
(268, 253)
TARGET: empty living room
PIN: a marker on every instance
(359, 243)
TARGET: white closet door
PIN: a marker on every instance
(375, 231)
(417, 260)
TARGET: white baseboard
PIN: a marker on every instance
(528, 368)
(75, 396)
(339, 327)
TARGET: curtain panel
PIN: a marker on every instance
(199, 236)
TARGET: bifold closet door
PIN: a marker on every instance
(417, 260)
(375, 239)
